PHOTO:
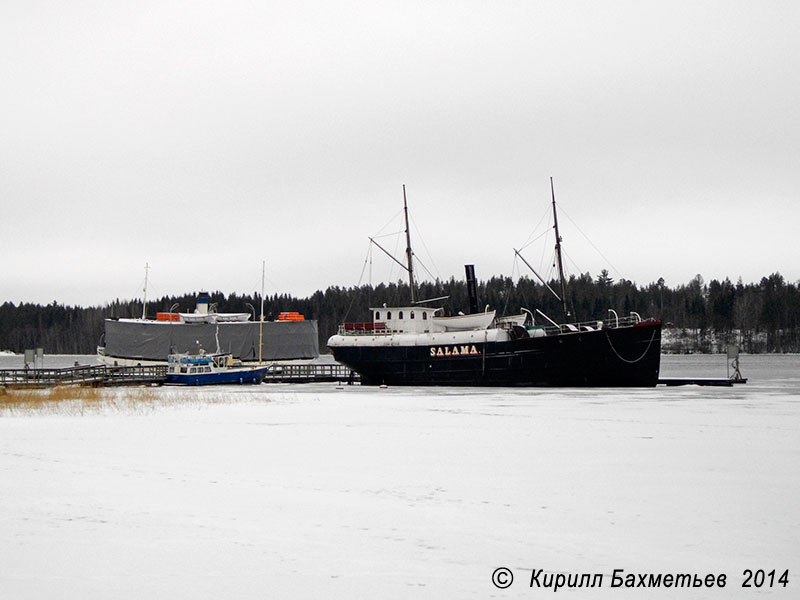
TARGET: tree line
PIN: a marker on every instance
(698, 316)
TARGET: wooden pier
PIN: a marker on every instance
(106, 376)
(87, 375)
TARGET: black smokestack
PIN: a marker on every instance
(472, 288)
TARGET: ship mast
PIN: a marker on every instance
(261, 322)
(410, 267)
(558, 255)
(144, 296)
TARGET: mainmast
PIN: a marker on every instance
(558, 255)
(410, 267)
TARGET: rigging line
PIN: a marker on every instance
(542, 218)
(538, 237)
(383, 235)
(387, 253)
(590, 242)
(567, 276)
(514, 267)
(552, 261)
(574, 264)
(358, 285)
(392, 266)
(549, 275)
(422, 264)
(277, 288)
(397, 240)
(522, 258)
(389, 222)
(541, 259)
(519, 273)
(137, 295)
(364, 266)
(424, 245)
(369, 256)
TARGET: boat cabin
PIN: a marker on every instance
(199, 363)
(414, 319)
(403, 319)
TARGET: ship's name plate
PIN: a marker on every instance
(465, 350)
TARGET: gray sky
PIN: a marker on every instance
(205, 137)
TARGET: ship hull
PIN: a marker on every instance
(228, 376)
(135, 341)
(614, 357)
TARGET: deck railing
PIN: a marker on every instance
(364, 329)
(547, 329)
(595, 325)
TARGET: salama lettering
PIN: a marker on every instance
(464, 350)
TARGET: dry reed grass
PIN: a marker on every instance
(75, 399)
(72, 399)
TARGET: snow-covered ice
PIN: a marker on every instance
(309, 491)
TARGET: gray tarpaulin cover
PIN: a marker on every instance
(152, 340)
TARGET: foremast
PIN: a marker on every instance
(558, 256)
(409, 266)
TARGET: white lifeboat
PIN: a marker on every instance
(465, 322)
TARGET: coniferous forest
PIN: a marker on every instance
(698, 316)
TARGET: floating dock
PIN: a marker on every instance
(311, 373)
(727, 382)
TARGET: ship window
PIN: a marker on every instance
(377, 315)
(207, 370)
(388, 315)
(424, 316)
(412, 314)
(193, 370)
(400, 315)
(183, 369)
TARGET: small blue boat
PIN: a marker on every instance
(212, 369)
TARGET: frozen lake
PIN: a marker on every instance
(310, 491)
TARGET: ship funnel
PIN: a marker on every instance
(472, 288)
(202, 303)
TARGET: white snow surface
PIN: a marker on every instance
(319, 491)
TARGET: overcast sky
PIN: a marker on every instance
(204, 137)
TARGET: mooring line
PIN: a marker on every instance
(652, 337)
